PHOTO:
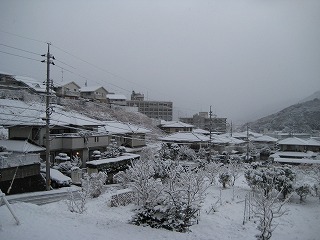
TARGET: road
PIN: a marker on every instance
(45, 197)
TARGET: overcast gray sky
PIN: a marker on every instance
(246, 58)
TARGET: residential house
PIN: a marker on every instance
(70, 132)
(69, 90)
(94, 93)
(116, 100)
(264, 141)
(13, 82)
(193, 140)
(225, 143)
(175, 126)
(125, 134)
(295, 144)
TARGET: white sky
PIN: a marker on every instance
(246, 58)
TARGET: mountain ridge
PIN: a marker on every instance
(303, 117)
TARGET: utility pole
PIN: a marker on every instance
(247, 142)
(210, 129)
(48, 113)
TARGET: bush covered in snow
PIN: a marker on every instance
(225, 178)
(92, 184)
(169, 202)
(302, 189)
(268, 178)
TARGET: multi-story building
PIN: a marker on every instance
(203, 121)
(153, 109)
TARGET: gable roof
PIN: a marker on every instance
(15, 112)
(21, 146)
(66, 83)
(31, 83)
(91, 89)
(293, 141)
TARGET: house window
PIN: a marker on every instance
(96, 139)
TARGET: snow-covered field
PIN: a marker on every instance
(100, 221)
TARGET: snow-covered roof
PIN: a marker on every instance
(64, 118)
(313, 142)
(115, 127)
(116, 97)
(125, 156)
(219, 139)
(264, 138)
(32, 83)
(91, 89)
(293, 141)
(57, 176)
(185, 137)
(62, 84)
(22, 146)
(14, 112)
(288, 154)
(175, 124)
(299, 142)
(201, 131)
(297, 160)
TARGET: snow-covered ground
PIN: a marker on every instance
(100, 221)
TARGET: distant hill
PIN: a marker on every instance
(311, 97)
(298, 118)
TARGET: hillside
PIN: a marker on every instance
(301, 117)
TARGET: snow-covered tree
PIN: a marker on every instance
(235, 170)
(211, 171)
(284, 179)
(268, 178)
(67, 166)
(267, 208)
(169, 151)
(140, 178)
(77, 204)
(171, 202)
(187, 154)
(92, 184)
(302, 189)
(113, 150)
(225, 178)
(202, 153)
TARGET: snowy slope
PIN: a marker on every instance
(100, 221)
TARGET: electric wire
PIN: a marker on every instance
(20, 49)
(16, 55)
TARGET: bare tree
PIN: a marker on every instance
(235, 170)
(267, 208)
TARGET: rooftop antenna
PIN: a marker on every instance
(86, 84)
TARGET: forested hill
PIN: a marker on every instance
(298, 118)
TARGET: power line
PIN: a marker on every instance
(16, 55)
(20, 36)
(20, 49)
